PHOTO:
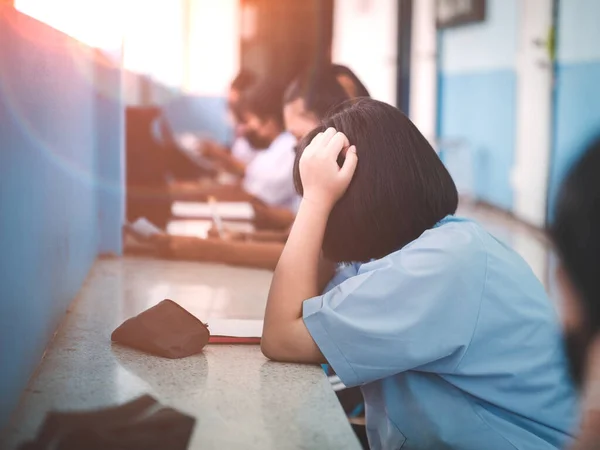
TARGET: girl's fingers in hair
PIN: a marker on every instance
(327, 135)
(314, 144)
(350, 163)
(335, 146)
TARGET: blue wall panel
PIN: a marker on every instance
(577, 95)
(110, 151)
(477, 101)
(49, 202)
(577, 118)
(201, 115)
(479, 109)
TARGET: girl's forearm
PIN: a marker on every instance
(296, 277)
(233, 165)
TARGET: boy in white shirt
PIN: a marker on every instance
(267, 177)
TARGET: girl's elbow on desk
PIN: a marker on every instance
(282, 344)
(273, 347)
(268, 348)
(274, 342)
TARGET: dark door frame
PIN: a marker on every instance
(403, 59)
(552, 151)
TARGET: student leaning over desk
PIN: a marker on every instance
(447, 330)
(305, 103)
(307, 99)
(267, 175)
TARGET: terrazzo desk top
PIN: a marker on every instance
(240, 400)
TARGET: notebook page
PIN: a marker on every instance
(202, 210)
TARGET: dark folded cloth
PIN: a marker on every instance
(165, 330)
(142, 424)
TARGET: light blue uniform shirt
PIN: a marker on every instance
(455, 343)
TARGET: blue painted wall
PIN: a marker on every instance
(477, 97)
(109, 150)
(480, 108)
(577, 94)
(49, 202)
(201, 115)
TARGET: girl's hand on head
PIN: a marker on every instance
(323, 181)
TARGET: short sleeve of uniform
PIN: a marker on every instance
(342, 273)
(414, 309)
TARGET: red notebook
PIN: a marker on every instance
(234, 340)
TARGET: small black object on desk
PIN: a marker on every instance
(142, 424)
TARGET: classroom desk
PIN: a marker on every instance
(240, 400)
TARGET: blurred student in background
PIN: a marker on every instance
(267, 214)
(266, 177)
(576, 235)
(310, 97)
(180, 149)
(240, 147)
(349, 81)
(243, 81)
(307, 100)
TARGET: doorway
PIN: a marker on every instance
(280, 38)
(535, 73)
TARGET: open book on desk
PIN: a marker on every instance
(224, 331)
(203, 210)
(199, 228)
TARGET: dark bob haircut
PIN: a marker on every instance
(399, 190)
(575, 231)
(264, 100)
(339, 70)
(320, 90)
(243, 80)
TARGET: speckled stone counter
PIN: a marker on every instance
(240, 400)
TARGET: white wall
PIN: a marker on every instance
(97, 23)
(192, 44)
(423, 72)
(213, 46)
(533, 144)
(579, 32)
(154, 39)
(485, 46)
(364, 39)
